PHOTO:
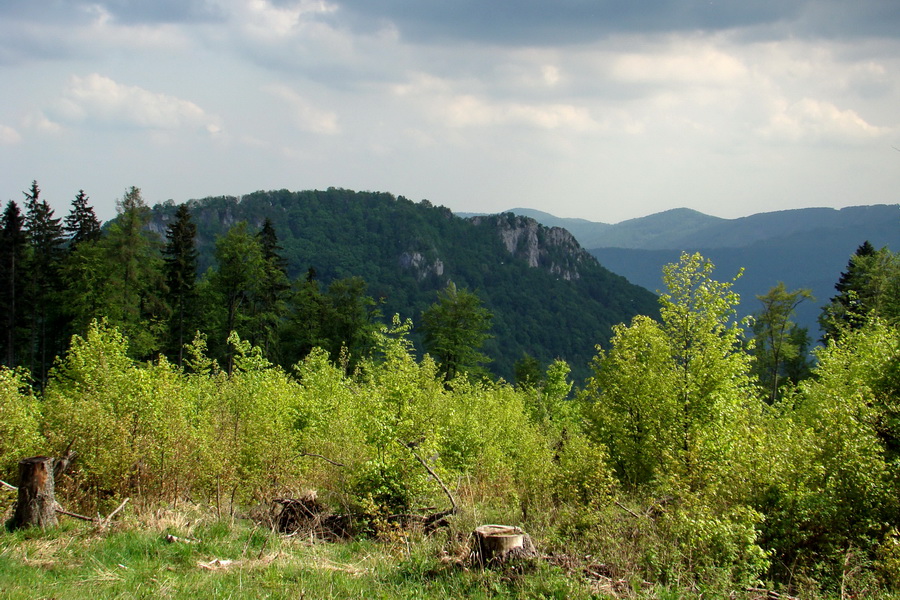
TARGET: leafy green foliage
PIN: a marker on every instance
(781, 348)
(839, 486)
(20, 418)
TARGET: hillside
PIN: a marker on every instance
(804, 248)
(550, 298)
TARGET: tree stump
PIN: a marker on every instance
(495, 544)
(36, 503)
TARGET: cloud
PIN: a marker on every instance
(563, 22)
(99, 99)
(306, 116)
(816, 120)
(9, 136)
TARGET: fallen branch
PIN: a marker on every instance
(100, 521)
(76, 515)
(7, 486)
(105, 522)
(174, 538)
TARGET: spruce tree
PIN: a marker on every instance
(180, 256)
(273, 291)
(13, 247)
(81, 223)
(46, 242)
(867, 287)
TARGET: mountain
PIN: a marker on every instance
(804, 248)
(550, 298)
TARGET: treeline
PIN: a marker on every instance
(674, 464)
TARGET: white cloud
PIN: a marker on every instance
(9, 136)
(265, 20)
(689, 64)
(39, 121)
(810, 119)
(304, 114)
(99, 99)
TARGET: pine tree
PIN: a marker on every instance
(180, 256)
(13, 247)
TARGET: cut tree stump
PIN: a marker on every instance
(36, 503)
(496, 544)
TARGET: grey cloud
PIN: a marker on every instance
(125, 11)
(563, 21)
(162, 11)
(539, 22)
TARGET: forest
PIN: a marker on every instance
(703, 455)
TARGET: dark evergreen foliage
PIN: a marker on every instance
(46, 240)
(82, 224)
(180, 256)
(13, 247)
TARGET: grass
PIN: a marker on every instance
(237, 559)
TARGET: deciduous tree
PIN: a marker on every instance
(455, 328)
(780, 352)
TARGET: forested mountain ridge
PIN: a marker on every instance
(549, 297)
(686, 228)
(804, 248)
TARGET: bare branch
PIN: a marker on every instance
(328, 460)
(431, 472)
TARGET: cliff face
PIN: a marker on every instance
(550, 248)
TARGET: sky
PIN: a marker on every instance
(604, 110)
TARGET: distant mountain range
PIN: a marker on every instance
(804, 248)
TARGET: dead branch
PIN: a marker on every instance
(105, 522)
(61, 465)
(628, 510)
(7, 486)
(75, 515)
(328, 460)
(100, 521)
(434, 475)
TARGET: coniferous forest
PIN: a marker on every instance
(227, 354)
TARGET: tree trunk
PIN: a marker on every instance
(36, 504)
